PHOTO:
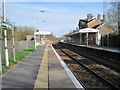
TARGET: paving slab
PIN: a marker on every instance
(42, 77)
(25, 73)
(40, 69)
(58, 78)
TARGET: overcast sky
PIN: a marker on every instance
(60, 17)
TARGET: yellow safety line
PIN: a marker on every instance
(42, 77)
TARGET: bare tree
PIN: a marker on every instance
(113, 15)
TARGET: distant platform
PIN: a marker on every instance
(110, 49)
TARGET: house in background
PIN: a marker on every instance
(30, 37)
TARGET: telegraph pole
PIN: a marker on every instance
(5, 34)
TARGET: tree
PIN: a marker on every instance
(21, 32)
(113, 16)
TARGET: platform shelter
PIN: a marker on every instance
(87, 36)
(41, 36)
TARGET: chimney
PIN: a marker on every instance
(89, 17)
(76, 28)
(99, 17)
(104, 18)
(37, 30)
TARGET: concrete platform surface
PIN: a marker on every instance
(25, 73)
(43, 68)
(58, 78)
(110, 49)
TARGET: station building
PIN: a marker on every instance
(89, 31)
(85, 36)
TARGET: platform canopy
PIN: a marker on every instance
(43, 33)
(88, 30)
(85, 30)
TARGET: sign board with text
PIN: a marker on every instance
(6, 25)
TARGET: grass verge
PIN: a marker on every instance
(19, 57)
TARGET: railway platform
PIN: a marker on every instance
(105, 48)
(106, 52)
(110, 49)
(43, 68)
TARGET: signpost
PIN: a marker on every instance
(5, 33)
(7, 25)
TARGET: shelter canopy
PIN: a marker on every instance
(43, 33)
(85, 30)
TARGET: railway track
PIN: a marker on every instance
(91, 70)
(106, 61)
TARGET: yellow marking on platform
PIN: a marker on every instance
(42, 77)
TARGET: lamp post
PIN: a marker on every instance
(13, 39)
(44, 38)
(34, 32)
(35, 29)
(0, 64)
(119, 17)
(5, 34)
(42, 11)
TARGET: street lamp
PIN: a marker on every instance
(34, 32)
(42, 11)
(13, 39)
(119, 17)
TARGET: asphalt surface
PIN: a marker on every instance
(25, 73)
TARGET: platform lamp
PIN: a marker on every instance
(39, 33)
(13, 39)
(0, 64)
(44, 34)
(34, 30)
(42, 11)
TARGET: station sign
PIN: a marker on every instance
(6, 25)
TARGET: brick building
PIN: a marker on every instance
(30, 37)
(89, 22)
(89, 31)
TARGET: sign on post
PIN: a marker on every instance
(6, 25)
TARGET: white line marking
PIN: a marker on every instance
(73, 78)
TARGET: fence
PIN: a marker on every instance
(111, 40)
(19, 46)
